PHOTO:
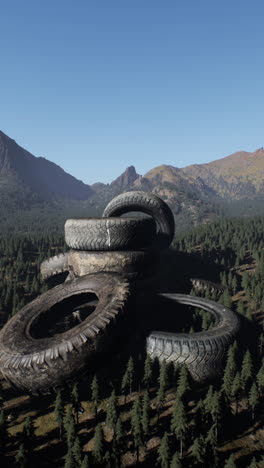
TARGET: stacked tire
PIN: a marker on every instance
(106, 255)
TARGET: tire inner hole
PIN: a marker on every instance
(64, 315)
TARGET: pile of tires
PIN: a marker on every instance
(106, 255)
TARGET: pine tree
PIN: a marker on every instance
(147, 377)
(136, 424)
(59, 410)
(3, 430)
(163, 379)
(247, 369)
(128, 377)
(21, 457)
(95, 394)
(236, 389)
(111, 414)
(183, 382)
(254, 463)
(77, 451)
(69, 427)
(253, 399)
(75, 399)
(85, 462)
(98, 444)
(176, 461)
(179, 423)
(198, 450)
(28, 433)
(164, 452)
(229, 372)
(230, 463)
(69, 460)
(260, 379)
(145, 421)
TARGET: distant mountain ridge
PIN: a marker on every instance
(196, 193)
(38, 176)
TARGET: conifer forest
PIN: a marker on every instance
(133, 411)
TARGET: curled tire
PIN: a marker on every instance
(201, 352)
(147, 203)
(37, 364)
(109, 233)
(131, 264)
(54, 266)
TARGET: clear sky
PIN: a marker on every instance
(98, 85)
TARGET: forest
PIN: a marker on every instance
(132, 411)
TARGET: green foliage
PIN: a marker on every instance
(98, 449)
(164, 452)
(128, 377)
(95, 394)
(59, 410)
(21, 457)
(111, 414)
(147, 377)
(230, 463)
(176, 461)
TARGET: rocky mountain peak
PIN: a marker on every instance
(126, 179)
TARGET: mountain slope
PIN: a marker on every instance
(35, 178)
(240, 175)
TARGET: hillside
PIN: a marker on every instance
(33, 188)
(25, 178)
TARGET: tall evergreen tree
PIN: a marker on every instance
(176, 461)
(21, 457)
(77, 451)
(198, 450)
(260, 379)
(183, 382)
(247, 369)
(59, 410)
(69, 427)
(145, 421)
(75, 399)
(253, 399)
(3, 431)
(164, 452)
(236, 390)
(128, 377)
(95, 394)
(230, 463)
(111, 414)
(98, 450)
(147, 377)
(85, 462)
(69, 459)
(136, 424)
(179, 422)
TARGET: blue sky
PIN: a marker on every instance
(98, 85)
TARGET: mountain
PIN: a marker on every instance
(238, 176)
(35, 179)
(31, 187)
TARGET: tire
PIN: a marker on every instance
(99, 234)
(37, 364)
(54, 266)
(201, 352)
(147, 203)
(131, 264)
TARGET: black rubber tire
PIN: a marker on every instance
(201, 352)
(131, 264)
(54, 266)
(109, 233)
(36, 365)
(150, 204)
